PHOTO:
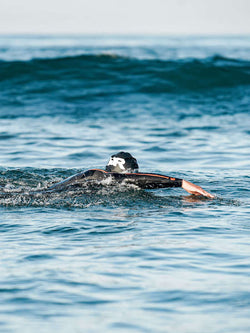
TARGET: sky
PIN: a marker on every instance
(125, 17)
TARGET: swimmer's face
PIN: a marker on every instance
(116, 164)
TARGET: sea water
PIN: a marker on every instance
(123, 259)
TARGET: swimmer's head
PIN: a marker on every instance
(122, 163)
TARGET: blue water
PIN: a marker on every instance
(123, 259)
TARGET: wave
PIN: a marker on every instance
(116, 74)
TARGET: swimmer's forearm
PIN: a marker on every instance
(150, 181)
(195, 189)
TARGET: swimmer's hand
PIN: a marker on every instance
(195, 189)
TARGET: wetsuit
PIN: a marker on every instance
(97, 176)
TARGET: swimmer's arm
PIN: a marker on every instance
(77, 179)
(155, 181)
(67, 182)
(152, 181)
(195, 189)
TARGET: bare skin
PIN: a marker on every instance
(195, 189)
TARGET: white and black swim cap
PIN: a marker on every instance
(122, 162)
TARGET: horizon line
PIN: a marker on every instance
(128, 34)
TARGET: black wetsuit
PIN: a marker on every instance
(97, 176)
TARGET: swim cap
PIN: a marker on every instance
(122, 162)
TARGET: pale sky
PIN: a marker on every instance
(125, 16)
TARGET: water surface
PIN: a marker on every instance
(122, 259)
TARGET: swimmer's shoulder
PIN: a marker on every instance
(95, 174)
(80, 178)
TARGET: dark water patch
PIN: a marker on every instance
(126, 326)
(6, 227)
(6, 136)
(13, 290)
(174, 134)
(60, 230)
(38, 257)
(207, 230)
(94, 302)
(106, 230)
(82, 155)
(204, 128)
(204, 299)
(27, 301)
(155, 149)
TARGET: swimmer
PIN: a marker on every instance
(122, 168)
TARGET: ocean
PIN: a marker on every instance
(122, 259)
